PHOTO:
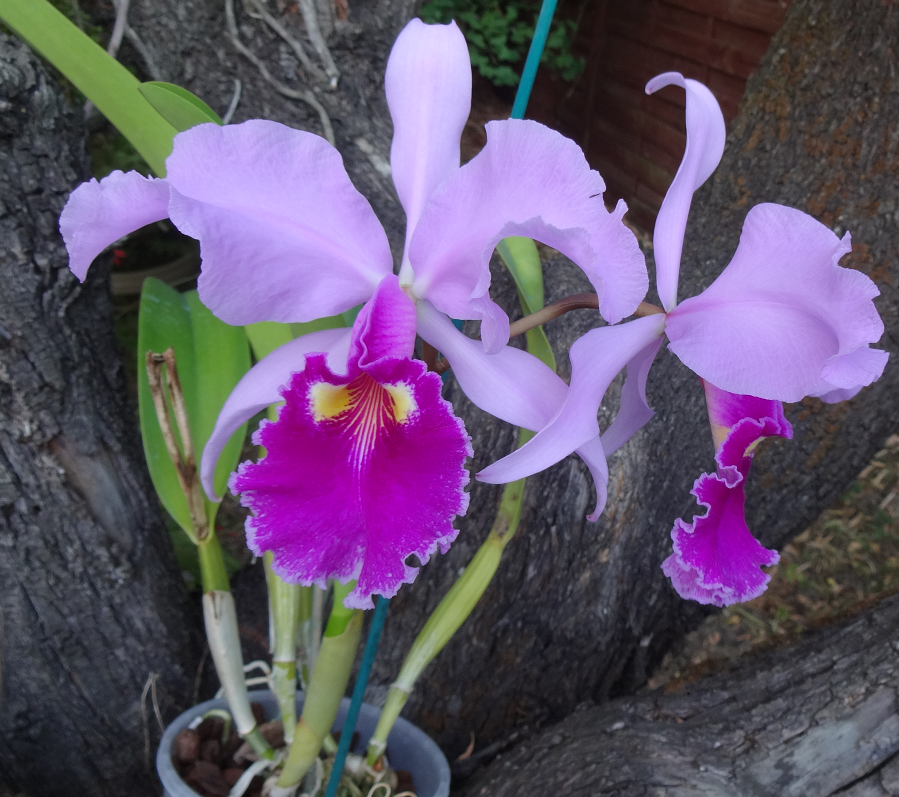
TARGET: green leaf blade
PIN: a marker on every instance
(221, 358)
(212, 357)
(521, 257)
(163, 321)
(179, 107)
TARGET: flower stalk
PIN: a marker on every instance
(327, 687)
(452, 611)
(284, 616)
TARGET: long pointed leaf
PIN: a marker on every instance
(179, 107)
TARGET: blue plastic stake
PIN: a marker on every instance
(349, 724)
(541, 31)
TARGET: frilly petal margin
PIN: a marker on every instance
(353, 482)
(428, 86)
(531, 181)
(99, 213)
(783, 320)
(261, 387)
(596, 358)
(511, 385)
(284, 235)
(705, 146)
(716, 559)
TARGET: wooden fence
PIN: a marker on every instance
(635, 141)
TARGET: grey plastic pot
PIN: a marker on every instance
(409, 748)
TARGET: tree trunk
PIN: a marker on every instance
(815, 720)
(582, 611)
(92, 605)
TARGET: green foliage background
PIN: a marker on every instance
(499, 34)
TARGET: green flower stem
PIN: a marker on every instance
(213, 573)
(309, 632)
(224, 644)
(452, 611)
(102, 79)
(326, 688)
(284, 614)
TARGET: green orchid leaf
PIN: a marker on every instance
(212, 357)
(102, 79)
(266, 336)
(521, 257)
(222, 358)
(179, 107)
(339, 321)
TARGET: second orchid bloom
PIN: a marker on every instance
(782, 321)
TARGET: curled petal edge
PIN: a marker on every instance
(706, 133)
(98, 213)
(596, 359)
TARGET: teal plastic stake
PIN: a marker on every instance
(541, 31)
(349, 724)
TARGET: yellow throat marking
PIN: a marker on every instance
(362, 408)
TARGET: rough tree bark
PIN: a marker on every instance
(814, 720)
(582, 611)
(91, 601)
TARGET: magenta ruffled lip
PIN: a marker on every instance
(362, 469)
(716, 559)
(360, 473)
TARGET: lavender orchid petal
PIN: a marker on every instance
(634, 411)
(283, 233)
(596, 358)
(261, 387)
(427, 125)
(594, 458)
(99, 213)
(528, 180)
(783, 320)
(512, 385)
(705, 146)
(838, 395)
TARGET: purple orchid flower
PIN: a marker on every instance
(781, 322)
(365, 462)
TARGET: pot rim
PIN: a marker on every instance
(405, 737)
